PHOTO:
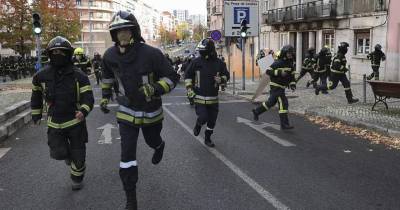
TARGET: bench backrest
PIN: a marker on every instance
(388, 89)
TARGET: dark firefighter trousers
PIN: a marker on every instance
(277, 95)
(207, 114)
(128, 171)
(70, 144)
(334, 80)
(375, 72)
(97, 74)
(322, 77)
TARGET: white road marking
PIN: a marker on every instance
(252, 183)
(106, 134)
(183, 103)
(260, 129)
(3, 151)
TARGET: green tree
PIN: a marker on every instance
(198, 32)
(15, 25)
(183, 31)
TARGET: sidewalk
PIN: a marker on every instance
(334, 105)
(12, 92)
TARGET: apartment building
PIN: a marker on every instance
(318, 23)
(95, 16)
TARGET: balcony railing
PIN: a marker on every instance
(302, 12)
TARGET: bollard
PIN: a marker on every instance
(234, 81)
(364, 88)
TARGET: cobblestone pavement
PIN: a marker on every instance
(334, 105)
(12, 92)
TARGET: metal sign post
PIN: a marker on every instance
(38, 53)
(243, 64)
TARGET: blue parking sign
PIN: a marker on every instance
(241, 13)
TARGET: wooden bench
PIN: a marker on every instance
(383, 90)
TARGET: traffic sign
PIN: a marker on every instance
(235, 12)
(216, 35)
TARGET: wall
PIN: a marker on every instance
(393, 43)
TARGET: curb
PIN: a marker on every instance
(387, 131)
(15, 117)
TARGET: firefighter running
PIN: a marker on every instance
(338, 74)
(81, 61)
(96, 66)
(282, 74)
(309, 64)
(376, 57)
(69, 97)
(322, 68)
(203, 77)
(144, 74)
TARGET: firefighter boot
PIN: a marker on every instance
(349, 96)
(158, 153)
(196, 129)
(285, 122)
(257, 111)
(317, 89)
(76, 185)
(207, 139)
(131, 202)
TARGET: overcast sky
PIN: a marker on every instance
(194, 6)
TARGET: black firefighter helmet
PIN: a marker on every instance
(378, 47)
(286, 50)
(60, 43)
(207, 48)
(343, 47)
(123, 19)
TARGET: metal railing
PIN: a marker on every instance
(302, 12)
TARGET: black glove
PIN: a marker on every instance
(36, 118)
(292, 87)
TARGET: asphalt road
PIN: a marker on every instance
(253, 166)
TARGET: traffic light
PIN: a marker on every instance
(37, 26)
(243, 28)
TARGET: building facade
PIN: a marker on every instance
(181, 15)
(311, 23)
(198, 19)
(168, 21)
(95, 16)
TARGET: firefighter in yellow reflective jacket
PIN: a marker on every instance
(309, 65)
(81, 61)
(338, 74)
(144, 74)
(203, 77)
(69, 97)
(282, 74)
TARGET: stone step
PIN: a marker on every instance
(11, 125)
(13, 110)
